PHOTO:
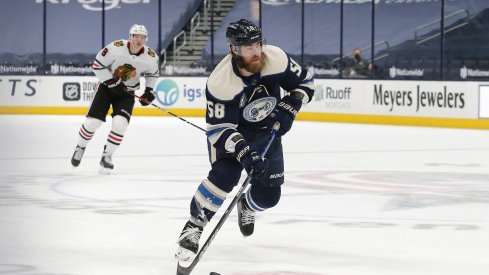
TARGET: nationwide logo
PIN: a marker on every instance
(395, 72)
(71, 91)
(170, 70)
(18, 69)
(96, 5)
(61, 69)
(466, 72)
(318, 71)
(167, 92)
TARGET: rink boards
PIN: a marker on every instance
(463, 104)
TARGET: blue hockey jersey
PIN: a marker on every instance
(242, 104)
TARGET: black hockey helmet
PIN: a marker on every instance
(243, 32)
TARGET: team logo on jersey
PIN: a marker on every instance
(259, 109)
(119, 43)
(151, 52)
(167, 92)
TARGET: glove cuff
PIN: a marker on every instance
(242, 149)
(290, 105)
(147, 93)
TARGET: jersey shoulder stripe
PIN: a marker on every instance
(276, 60)
(223, 83)
(97, 65)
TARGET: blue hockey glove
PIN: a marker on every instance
(147, 97)
(251, 160)
(285, 113)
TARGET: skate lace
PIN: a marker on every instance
(247, 216)
(192, 233)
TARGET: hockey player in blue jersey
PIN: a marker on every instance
(244, 102)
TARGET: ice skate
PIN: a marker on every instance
(246, 217)
(106, 165)
(188, 242)
(77, 156)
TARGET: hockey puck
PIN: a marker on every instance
(214, 273)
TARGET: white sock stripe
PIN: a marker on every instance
(214, 189)
(85, 134)
(116, 134)
(205, 203)
(252, 204)
(115, 139)
(88, 132)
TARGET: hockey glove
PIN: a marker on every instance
(147, 97)
(116, 85)
(254, 165)
(285, 113)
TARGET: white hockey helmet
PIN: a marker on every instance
(138, 29)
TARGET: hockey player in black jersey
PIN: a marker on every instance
(118, 66)
(244, 102)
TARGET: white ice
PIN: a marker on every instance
(358, 200)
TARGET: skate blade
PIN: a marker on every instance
(105, 171)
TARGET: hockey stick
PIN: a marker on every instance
(165, 110)
(186, 270)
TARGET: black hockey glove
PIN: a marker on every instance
(116, 85)
(147, 97)
(285, 113)
(251, 160)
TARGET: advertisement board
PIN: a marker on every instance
(78, 91)
(427, 103)
(484, 101)
(397, 98)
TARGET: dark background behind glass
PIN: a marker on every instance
(318, 34)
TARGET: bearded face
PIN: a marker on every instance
(250, 58)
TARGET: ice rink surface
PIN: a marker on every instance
(358, 200)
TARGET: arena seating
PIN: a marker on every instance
(28, 46)
(411, 33)
(175, 14)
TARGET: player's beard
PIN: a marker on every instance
(249, 65)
